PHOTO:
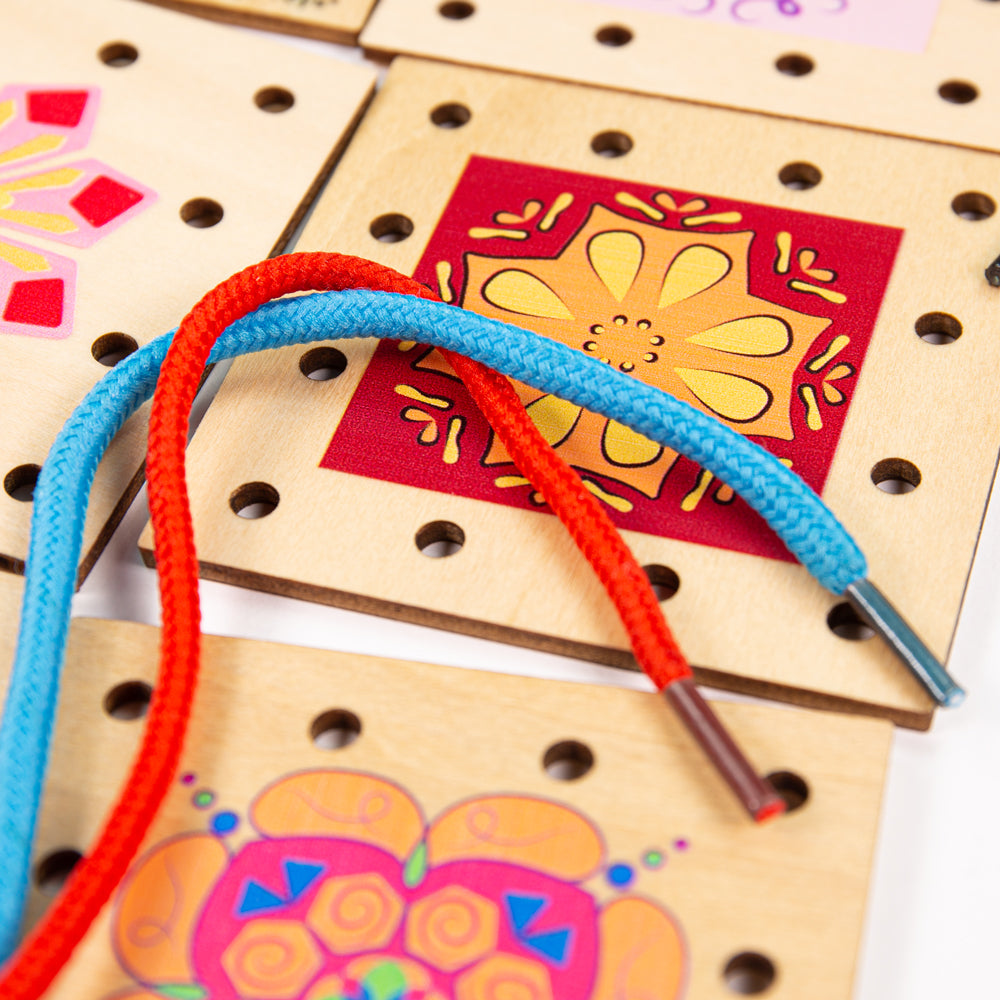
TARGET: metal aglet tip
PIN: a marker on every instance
(876, 609)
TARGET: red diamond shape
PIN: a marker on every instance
(103, 200)
(57, 107)
(36, 303)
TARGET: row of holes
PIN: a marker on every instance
(273, 100)
(793, 64)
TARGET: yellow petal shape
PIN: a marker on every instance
(522, 293)
(616, 257)
(554, 417)
(730, 396)
(693, 270)
(754, 336)
(623, 446)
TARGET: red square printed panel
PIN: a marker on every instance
(758, 315)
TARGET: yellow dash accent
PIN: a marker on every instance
(836, 346)
(724, 494)
(783, 241)
(787, 462)
(694, 205)
(630, 201)
(45, 221)
(33, 147)
(751, 336)
(522, 293)
(436, 401)
(51, 179)
(616, 257)
(730, 396)
(814, 420)
(691, 501)
(23, 260)
(704, 220)
(559, 206)
(452, 451)
(505, 482)
(429, 434)
(480, 233)
(838, 372)
(838, 298)
(832, 394)
(406, 345)
(6, 112)
(443, 271)
(611, 499)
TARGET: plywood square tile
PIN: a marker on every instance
(885, 371)
(120, 122)
(419, 794)
(334, 20)
(926, 68)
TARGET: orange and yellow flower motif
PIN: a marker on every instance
(351, 902)
(755, 314)
(670, 308)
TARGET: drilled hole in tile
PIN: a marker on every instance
(53, 870)
(614, 35)
(845, 623)
(749, 973)
(895, 475)
(110, 348)
(456, 10)
(201, 213)
(938, 328)
(451, 115)
(334, 729)
(322, 364)
(274, 100)
(254, 500)
(794, 64)
(974, 206)
(611, 144)
(791, 787)
(440, 539)
(568, 760)
(391, 228)
(664, 581)
(19, 483)
(128, 701)
(800, 176)
(958, 92)
(118, 54)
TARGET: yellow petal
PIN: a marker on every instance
(616, 257)
(735, 398)
(522, 293)
(692, 271)
(554, 417)
(755, 336)
(623, 446)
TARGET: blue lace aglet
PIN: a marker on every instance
(877, 611)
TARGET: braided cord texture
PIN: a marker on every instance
(49, 946)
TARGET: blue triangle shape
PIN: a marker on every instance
(256, 898)
(299, 875)
(522, 909)
(553, 945)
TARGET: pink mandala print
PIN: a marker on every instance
(344, 892)
(42, 195)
